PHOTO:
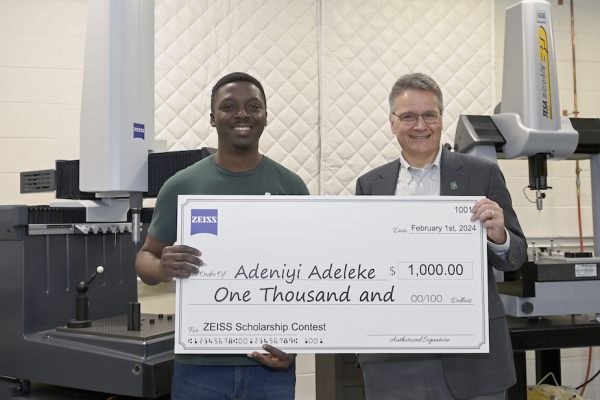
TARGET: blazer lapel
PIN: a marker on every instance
(388, 179)
(453, 182)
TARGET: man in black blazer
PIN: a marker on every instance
(426, 168)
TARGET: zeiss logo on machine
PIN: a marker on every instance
(139, 131)
(205, 221)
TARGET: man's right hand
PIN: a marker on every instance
(179, 261)
(158, 262)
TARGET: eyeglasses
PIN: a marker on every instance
(429, 118)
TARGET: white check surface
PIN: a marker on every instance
(312, 274)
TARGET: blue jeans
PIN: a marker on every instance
(196, 382)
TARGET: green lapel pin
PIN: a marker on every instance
(453, 185)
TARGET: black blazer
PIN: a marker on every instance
(468, 375)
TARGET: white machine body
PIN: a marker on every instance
(117, 108)
(530, 118)
(529, 124)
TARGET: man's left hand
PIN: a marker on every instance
(492, 217)
(274, 358)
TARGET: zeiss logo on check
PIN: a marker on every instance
(205, 221)
(139, 131)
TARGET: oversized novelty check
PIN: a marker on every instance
(311, 274)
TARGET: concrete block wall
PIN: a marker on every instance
(41, 58)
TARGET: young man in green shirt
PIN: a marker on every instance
(239, 113)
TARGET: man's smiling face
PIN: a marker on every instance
(420, 141)
(240, 115)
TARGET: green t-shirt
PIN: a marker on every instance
(206, 178)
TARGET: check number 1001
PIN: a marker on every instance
(424, 270)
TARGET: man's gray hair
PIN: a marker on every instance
(417, 81)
